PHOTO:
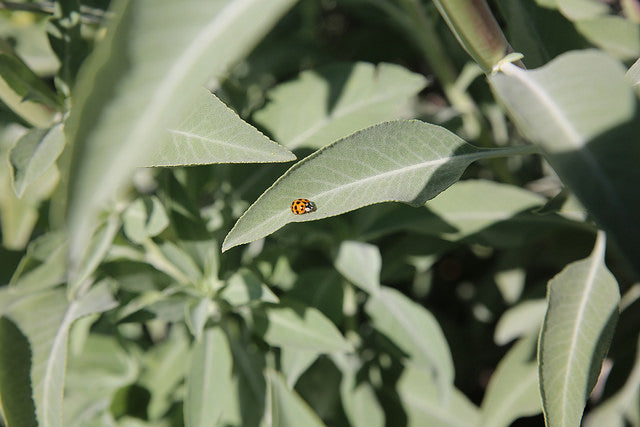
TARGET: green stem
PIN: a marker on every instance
(520, 150)
(413, 18)
(475, 27)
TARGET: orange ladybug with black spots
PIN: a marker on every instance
(302, 206)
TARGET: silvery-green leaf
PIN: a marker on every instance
(209, 379)
(140, 80)
(213, 133)
(288, 409)
(589, 139)
(582, 9)
(360, 263)
(323, 105)
(615, 35)
(423, 402)
(407, 161)
(578, 327)
(519, 320)
(47, 338)
(297, 326)
(412, 328)
(33, 154)
(513, 390)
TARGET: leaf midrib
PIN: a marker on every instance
(575, 332)
(277, 218)
(572, 135)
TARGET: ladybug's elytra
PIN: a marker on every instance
(302, 206)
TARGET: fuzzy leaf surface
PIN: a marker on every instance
(47, 334)
(406, 161)
(513, 390)
(416, 332)
(140, 80)
(213, 133)
(582, 311)
(590, 140)
(33, 155)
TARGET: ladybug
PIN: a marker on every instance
(302, 206)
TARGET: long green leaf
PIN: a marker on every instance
(407, 161)
(581, 110)
(288, 409)
(360, 263)
(520, 320)
(296, 326)
(24, 92)
(615, 35)
(416, 332)
(140, 80)
(358, 396)
(47, 333)
(213, 133)
(424, 405)
(583, 308)
(93, 378)
(513, 391)
(209, 379)
(33, 154)
(582, 9)
(338, 100)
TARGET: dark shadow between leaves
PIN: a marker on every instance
(248, 369)
(601, 350)
(15, 376)
(605, 176)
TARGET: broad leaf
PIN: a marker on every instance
(329, 103)
(244, 287)
(589, 139)
(166, 366)
(502, 215)
(33, 154)
(18, 216)
(417, 333)
(47, 335)
(615, 35)
(140, 80)
(358, 396)
(213, 133)
(44, 264)
(583, 308)
(407, 161)
(582, 9)
(360, 263)
(209, 379)
(471, 206)
(520, 320)
(287, 407)
(24, 92)
(144, 218)
(424, 404)
(513, 390)
(294, 362)
(94, 376)
(296, 326)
